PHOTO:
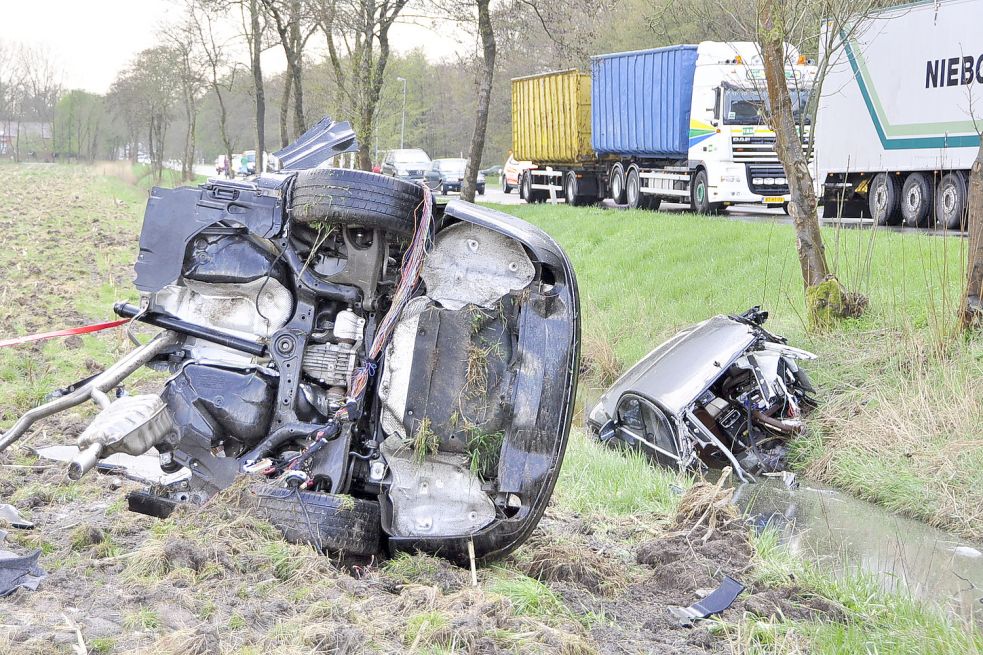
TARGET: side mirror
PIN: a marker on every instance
(607, 432)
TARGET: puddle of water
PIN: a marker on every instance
(844, 535)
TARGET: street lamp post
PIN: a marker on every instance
(402, 127)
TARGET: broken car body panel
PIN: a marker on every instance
(722, 392)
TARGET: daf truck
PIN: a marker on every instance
(900, 115)
(681, 124)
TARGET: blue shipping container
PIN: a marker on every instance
(640, 102)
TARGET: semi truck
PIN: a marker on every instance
(901, 110)
(682, 124)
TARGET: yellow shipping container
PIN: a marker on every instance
(551, 117)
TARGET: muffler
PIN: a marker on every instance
(131, 425)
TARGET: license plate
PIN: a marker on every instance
(774, 200)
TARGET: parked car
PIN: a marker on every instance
(408, 164)
(512, 172)
(221, 165)
(493, 171)
(446, 175)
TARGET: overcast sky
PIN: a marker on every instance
(92, 40)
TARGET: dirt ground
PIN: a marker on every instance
(219, 580)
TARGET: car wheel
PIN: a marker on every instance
(337, 524)
(633, 194)
(481, 190)
(350, 197)
(916, 200)
(505, 185)
(883, 199)
(950, 202)
(525, 187)
(617, 184)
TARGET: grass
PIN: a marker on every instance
(901, 399)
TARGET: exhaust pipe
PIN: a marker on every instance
(95, 389)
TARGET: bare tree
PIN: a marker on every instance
(486, 33)
(357, 32)
(220, 69)
(294, 26)
(191, 77)
(147, 90)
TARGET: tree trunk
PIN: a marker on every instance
(972, 307)
(300, 124)
(826, 298)
(256, 47)
(477, 146)
(285, 106)
(300, 121)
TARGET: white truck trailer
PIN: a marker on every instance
(900, 115)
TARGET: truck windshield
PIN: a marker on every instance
(749, 106)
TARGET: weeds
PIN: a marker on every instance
(426, 442)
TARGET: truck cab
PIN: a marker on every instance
(729, 139)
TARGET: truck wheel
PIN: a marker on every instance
(570, 189)
(700, 195)
(633, 194)
(525, 187)
(337, 524)
(883, 199)
(916, 200)
(617, 184)
(348, 197)
(950, 202)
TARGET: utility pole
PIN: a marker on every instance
(402, 128)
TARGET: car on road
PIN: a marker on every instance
(446, 175)
(408, 164)
(512, 171)
(493, 171)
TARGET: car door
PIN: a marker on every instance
(642, 425)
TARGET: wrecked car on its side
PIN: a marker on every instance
(724, 392)
(389, 372)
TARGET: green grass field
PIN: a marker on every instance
(902, 410)
(894, 386)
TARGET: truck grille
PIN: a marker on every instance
(758, 148)
(767, 180)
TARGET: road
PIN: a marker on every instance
(749, 213)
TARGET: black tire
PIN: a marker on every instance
(633, 193)
(348, 197)
(916, 200)
(950, 202)
(884, 200)
(785, 208)
(617, 184)
(481, 190)
(337, 524)
(505, 186)
(700, 195)
(525, 187)
(570, 189)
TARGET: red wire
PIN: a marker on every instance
(85, 329)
